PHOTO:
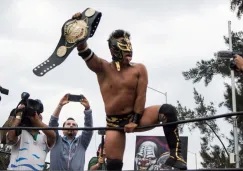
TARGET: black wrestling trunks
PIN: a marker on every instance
(118, 120)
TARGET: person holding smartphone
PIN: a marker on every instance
(69, 150)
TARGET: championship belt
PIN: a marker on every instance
(74, 31)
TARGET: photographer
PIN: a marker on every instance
(239, 62)
(98, 162)
(69, 150)
(29, 147)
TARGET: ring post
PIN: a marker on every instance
(234, 104)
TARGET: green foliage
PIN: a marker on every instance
(212, 155)
(206, 69)
(201, 110)
(237, 5)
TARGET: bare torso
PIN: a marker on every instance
(118, 88)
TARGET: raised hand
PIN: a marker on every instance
(85, 103)
(64, 100)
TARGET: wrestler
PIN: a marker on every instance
(123, 86)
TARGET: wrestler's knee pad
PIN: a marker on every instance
(114, 164)
(167, 113)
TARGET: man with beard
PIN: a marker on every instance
(123, 86)
(69, 150)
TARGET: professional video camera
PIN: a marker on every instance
(3, 91)
(31, 106)
(226, 54)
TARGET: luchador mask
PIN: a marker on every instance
(119, 46)
(146, 156)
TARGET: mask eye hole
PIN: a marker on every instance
(123, 41)
(123, 47)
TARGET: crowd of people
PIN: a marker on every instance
(67, 152)
(30, 147)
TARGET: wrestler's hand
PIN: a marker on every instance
(82, 45)
(78, 15)
(130, 127)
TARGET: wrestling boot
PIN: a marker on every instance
(168, 113)
(175, 160)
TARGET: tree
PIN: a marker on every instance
(214, 156)
(237, 5)
(202, 110)
(208, 129)
(207, 70)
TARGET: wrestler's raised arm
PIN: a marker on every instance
(94, 63)
(141, 89)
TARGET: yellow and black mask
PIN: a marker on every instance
(118, 47)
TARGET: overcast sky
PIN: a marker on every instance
(168, 36)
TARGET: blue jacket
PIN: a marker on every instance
(65, 156)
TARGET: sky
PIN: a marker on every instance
(168, 36)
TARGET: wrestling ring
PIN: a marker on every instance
(142, 127)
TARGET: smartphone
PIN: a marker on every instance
(75, 98)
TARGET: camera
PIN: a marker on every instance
(32, 106)
(226, 54)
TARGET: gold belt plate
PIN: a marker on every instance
(75, 30)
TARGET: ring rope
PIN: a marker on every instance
(121, 128)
